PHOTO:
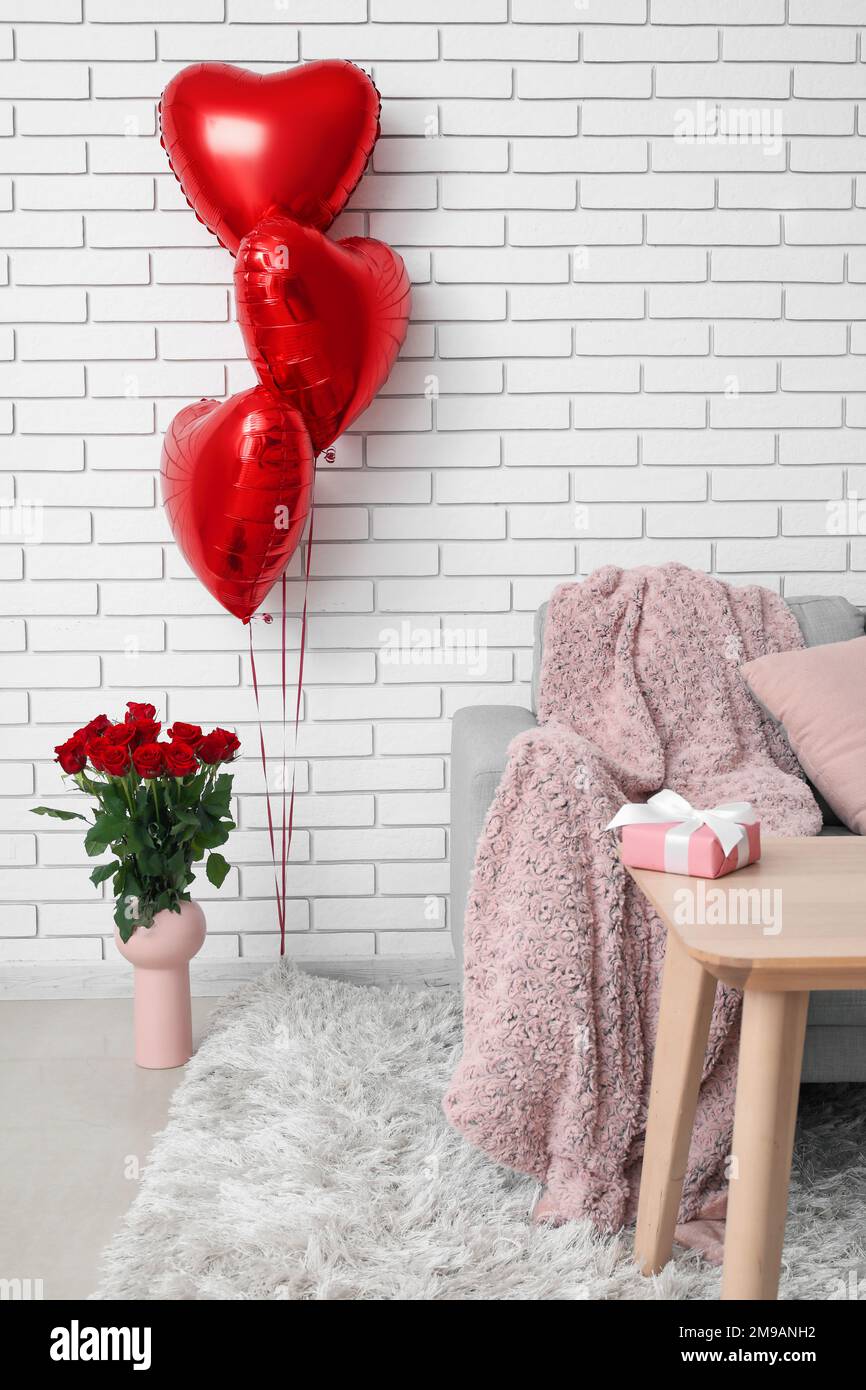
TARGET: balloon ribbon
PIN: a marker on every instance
(288, 822)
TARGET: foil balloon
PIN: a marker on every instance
(241, 144)
(237, 479)
(322, 321)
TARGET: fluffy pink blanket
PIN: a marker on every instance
(640, 689)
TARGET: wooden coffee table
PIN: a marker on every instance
(821, 945)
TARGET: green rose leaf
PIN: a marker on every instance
(190, 792)
(175, 867)
(217, 836)
(185, 826)
(218, 801)
(58, 815)
(150, 862)
(113, 800)
(138, 835)
(216, 870)
(128, 915)
(103, 871)
(213, 832)
(102, 832)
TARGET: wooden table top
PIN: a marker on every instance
(795, 920)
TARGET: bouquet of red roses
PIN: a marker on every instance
(161, 806)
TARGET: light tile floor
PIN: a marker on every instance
(77, 1119)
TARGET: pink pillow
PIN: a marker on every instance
(819, 694)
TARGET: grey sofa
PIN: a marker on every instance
(836, 1036)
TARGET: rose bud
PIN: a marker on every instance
(144, 731)
(180, 760)
(231, 743)
(120, 735)
(114, 758)
(94, 751)
(213, 749)
(149, 760)
(71, 755)
(96, 727)
(136, 712)
(185, 733)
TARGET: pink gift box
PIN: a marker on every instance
(648, 846)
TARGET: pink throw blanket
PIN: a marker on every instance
(640, 689)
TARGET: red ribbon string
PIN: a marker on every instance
(287, 822)
(284, 849)
(287, 843)
(280, 911)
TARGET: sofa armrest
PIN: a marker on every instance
(480, 735)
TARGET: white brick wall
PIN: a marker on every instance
(626, 347)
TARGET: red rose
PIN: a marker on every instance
(114, 758)
(72, 755)
(120, 735)
(219, 746)
(149, 760)
(180, 759)
(232, 742)
(94, 752)
(144, 731)
(94, 728)
(135, 713)
(185, 733)
(211, 749)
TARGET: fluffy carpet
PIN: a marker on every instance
(306, 1157)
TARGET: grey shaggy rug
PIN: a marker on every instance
(306, 1157)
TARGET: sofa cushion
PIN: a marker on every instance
(826, 618)
(817, 694)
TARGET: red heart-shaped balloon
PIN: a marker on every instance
(237, 480)
(241, 144)
(322, 320)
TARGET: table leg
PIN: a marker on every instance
(684, 1024)
(768, 1084)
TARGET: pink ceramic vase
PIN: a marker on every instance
(161, 954)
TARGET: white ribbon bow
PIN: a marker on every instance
(726, 820)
